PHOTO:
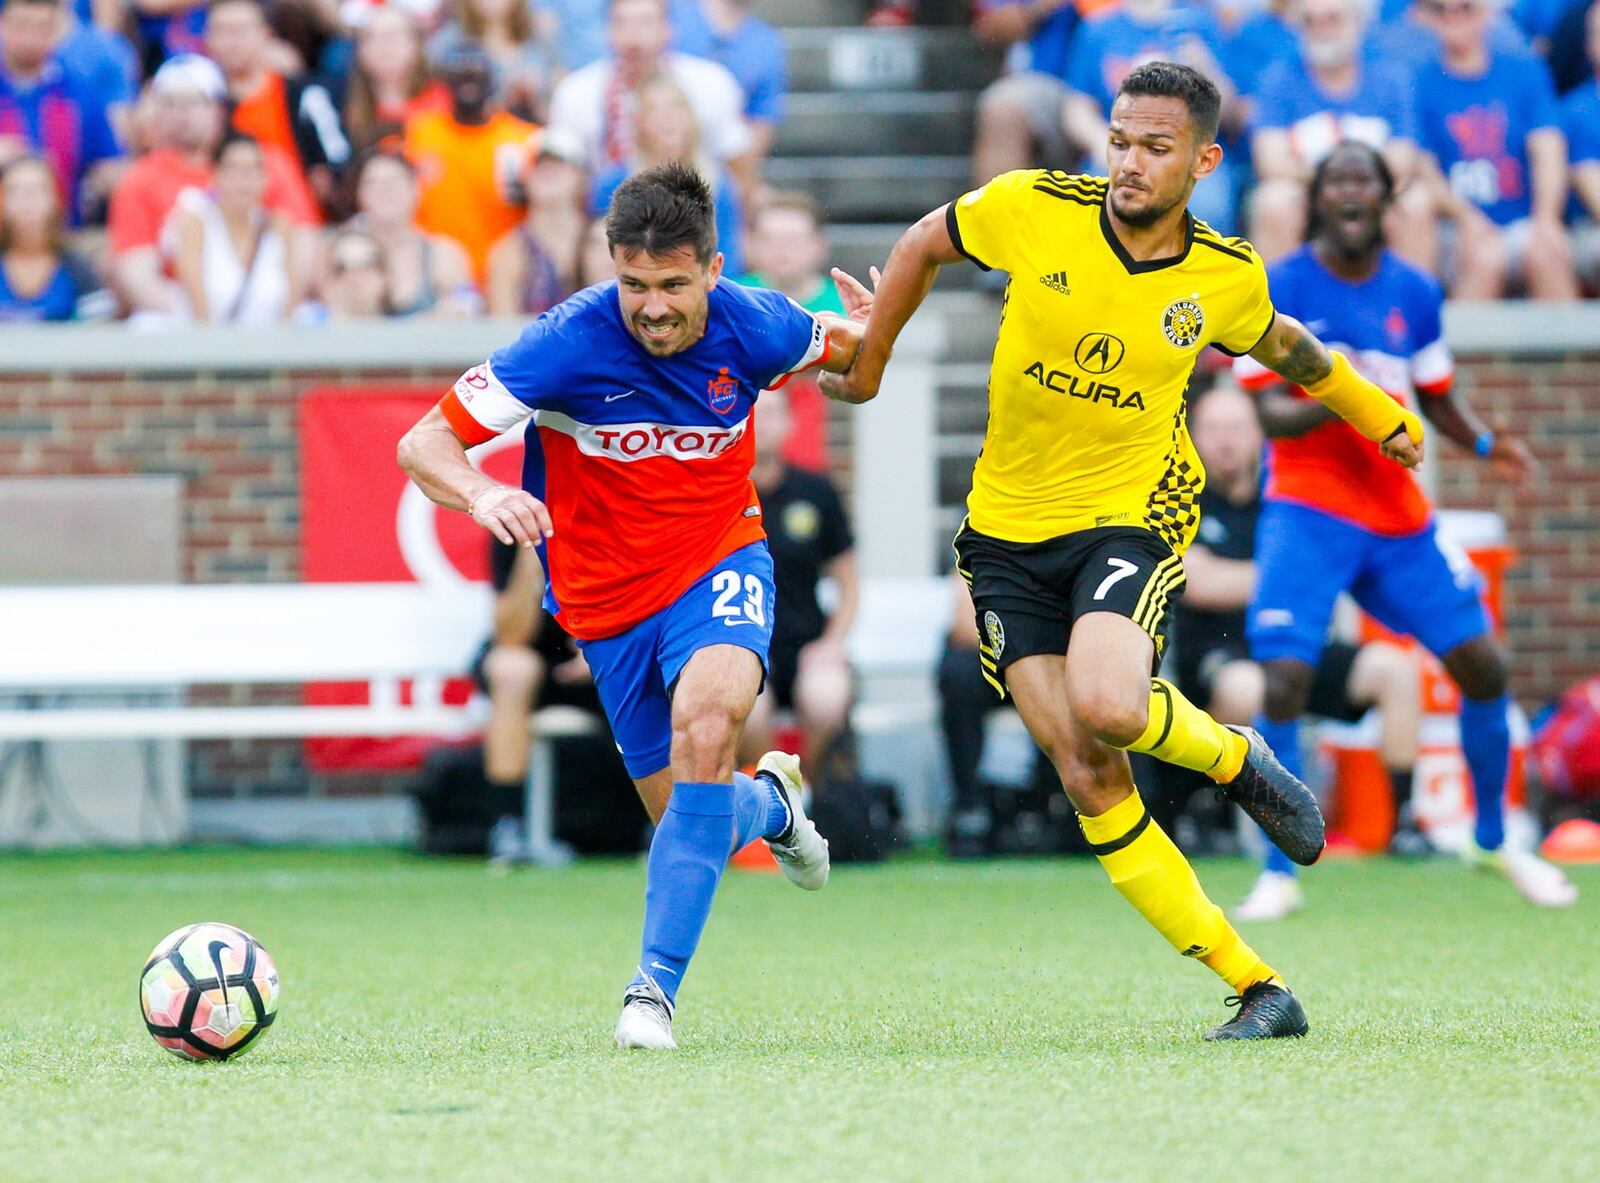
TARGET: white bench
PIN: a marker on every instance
(59, 643)
(125, 641)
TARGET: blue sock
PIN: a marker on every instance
(1486, 743)
(687, 856)
(1284, 740)
(759, 810)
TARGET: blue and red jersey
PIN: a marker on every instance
(60, 119)
(643, 461)
(1388, 326)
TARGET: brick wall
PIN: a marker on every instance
(1553, 593)
(233, 440)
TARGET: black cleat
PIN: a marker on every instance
(1277, 801)
(1266, 1011)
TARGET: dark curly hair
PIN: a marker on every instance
(661, 210)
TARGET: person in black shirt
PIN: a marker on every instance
(809, 535)
(1213, 659)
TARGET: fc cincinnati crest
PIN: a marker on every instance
(996, 631)
(1182, 322)
(722, 391)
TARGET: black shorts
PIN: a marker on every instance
(1027, 595)
(783, 664)
(1330, 686)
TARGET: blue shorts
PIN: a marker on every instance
(635, 671)
(1413, 584)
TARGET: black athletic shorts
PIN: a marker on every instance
(1028, 594)
(1330, 685)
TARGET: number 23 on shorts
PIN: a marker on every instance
(732, 610)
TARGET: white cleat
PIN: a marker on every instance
(1539, 882)
(1273, 897)
(646, 1020)
(802, 852)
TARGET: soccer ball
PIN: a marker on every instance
(208, 992)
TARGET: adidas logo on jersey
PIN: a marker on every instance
(1056, 282)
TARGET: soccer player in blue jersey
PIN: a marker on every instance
(1338, 518)
(639, 395)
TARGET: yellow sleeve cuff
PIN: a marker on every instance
(1362, 404)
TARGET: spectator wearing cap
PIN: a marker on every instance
(666, 130)
(1303, 108)
(186, 126)
(788, 252)
(599, 104)
(354, 283)
(45, 111)
(535, 266)
(296, 119)
(467, 161)
(523, 64)
(1580, 118)
(389, 79)
(427, 274)
(1023, 116)
(232, 254)
(1489, 121)
(40, 279)
(726, 32)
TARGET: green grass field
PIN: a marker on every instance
(918, 1021)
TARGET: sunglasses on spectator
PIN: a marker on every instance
(1459, 8)
(364, 263)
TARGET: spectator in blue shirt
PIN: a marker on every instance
(39, 278)
(580, 30)
(1490, 124)
(1580, 118)
(1329, 92)
(1113, 41)
(1022, 116)
(45, 111)
(1258, 37)
(752, 50)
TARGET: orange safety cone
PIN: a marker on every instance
(1576, 840)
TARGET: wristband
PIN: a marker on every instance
(1484, 444)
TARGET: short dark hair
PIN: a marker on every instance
(661, 210)
(1319, 178)
(1169, 80)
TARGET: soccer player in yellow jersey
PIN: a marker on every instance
(1083, 498)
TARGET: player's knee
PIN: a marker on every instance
(1286, 689)
(1480, 668)
(704, 735)
(1116, 719)
(512, 671)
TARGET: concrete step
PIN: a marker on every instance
(867, 123)
(858, 246)
(791, 14)
(873, 188)
(856, 59)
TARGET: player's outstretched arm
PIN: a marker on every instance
(1510, 458)
(913, 264)
(435, 457)
(1289, 349)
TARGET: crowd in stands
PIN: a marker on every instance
(219, 161)
(312, 161)
(1488, 112)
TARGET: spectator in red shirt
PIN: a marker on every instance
(186, 127)
(296, 119)
(390, 82)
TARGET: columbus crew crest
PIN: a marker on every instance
(996, 631)
(1182, 322)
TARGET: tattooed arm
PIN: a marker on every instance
(1327, 376)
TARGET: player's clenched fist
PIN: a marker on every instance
(513, 516)
(1404, 447)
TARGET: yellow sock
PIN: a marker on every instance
(1155, 878)
(1181, 733)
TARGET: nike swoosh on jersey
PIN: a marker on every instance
(611, 398)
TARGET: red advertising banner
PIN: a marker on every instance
(362, 521)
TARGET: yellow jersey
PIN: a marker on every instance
(1086, 413)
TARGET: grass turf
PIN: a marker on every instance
(916, 1021)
